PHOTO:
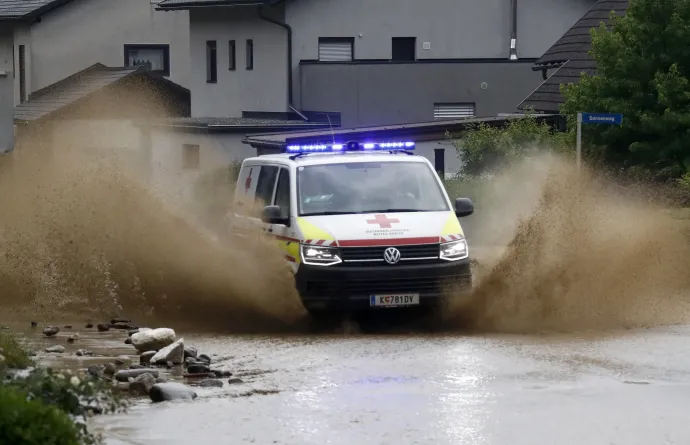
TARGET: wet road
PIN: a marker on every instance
(629, 388)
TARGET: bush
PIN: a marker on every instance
(16, 356)
(32, 422)
(486, 149)
(78, 397)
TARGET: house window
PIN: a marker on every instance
(443, 111)
(232, 56)
(191, 156)
(250, 54)
(404, 49)
(440, 162)
(154, 57)
(211, 62)
(336, 49)
(22, 74)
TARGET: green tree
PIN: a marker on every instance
(643, 64)
(486, 149)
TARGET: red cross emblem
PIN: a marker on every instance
(383, 221)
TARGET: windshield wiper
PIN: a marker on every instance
(329, 213)
(397, 210)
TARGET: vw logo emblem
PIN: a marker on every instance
(391, 255)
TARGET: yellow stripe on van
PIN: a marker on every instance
(310, 231)
(452, 226)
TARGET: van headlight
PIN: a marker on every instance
(454, 250)
(320, 256)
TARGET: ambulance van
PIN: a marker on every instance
(363, 226)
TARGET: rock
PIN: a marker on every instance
(121, 360)
(221, 374)
(128, 341)
(57, 349)
(125, 374)
(110, 369)
(145, 357)
(72, 338)
(122, 386)
(132, 332)
(135, 366)
(211, 383)
(122, 326)
(34, 324)
(69, 326)
(191, 361)
(119, 320)
(190, 352)
(142, 384)
(162, 392)
(161, 380)
(89, 325)
(198, 369)
(103, 327)
(204, 358)
(201, 375)
(154, 339)
(172, 353)
(51, 331)
(95, 370)
(84, 353)
(235, 381)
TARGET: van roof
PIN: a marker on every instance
(337, 158)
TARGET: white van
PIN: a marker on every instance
(363, 226)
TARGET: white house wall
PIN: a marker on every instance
(168, 177)
(84, 32)
(263, 88)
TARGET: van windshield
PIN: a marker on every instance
(368, 187)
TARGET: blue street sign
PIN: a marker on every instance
(601, 118)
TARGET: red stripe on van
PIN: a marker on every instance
(388, 242)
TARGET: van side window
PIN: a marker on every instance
(283, 193)
(266, 184)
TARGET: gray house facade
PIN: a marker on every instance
(376, 62)
(64, 37)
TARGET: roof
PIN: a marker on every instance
(234, 124)
(570, 56)
(187, 4)
(400, 130)
(337, 158)
(27, 9)
(76, 87)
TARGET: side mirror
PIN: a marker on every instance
(463, 207)
(272, 215)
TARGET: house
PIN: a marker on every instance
(93, 111)
(45, 41)
(375, 62)
(569, 57)
(431, 137)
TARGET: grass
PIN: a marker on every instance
(16, 355)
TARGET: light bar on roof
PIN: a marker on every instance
(351, 146)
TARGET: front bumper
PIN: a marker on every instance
(350, 288)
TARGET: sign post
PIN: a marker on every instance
(593, 118)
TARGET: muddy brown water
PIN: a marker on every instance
(626, 387)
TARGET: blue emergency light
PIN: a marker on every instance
(350, 146)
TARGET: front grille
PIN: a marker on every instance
(375, 254)
(391, 285)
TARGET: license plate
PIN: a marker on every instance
(394, 300)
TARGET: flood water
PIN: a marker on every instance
(627, 388)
